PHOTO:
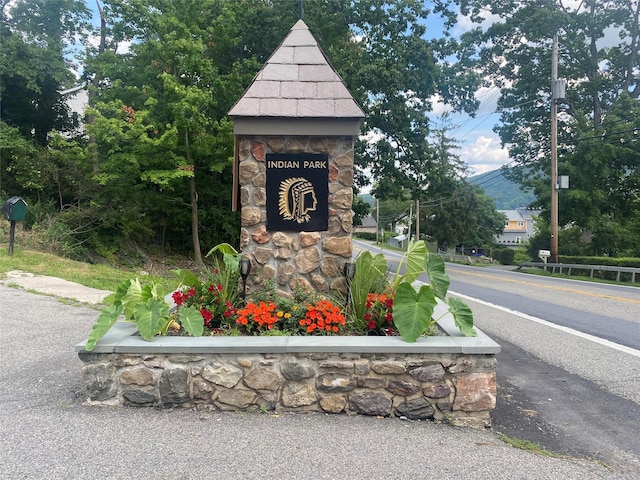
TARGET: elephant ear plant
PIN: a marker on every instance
(413, 308)
(146, 306)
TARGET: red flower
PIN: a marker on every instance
(177, 297)
(207, 315)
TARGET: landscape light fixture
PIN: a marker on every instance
(245, 268)
(349, 271)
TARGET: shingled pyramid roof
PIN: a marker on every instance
(297, 82)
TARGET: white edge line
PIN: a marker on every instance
(586, 336)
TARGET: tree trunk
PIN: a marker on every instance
(633, 55)
(95, 83)
(593, 48)
(197, 254)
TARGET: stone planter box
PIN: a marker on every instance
(443, 378)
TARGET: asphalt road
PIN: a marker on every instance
(569, 371)
(48, 432)
(611, 312)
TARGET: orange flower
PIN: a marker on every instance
(258, 316)
(323, 317)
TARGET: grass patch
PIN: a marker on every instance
(535, 448)
(103, 277)
(528, 446)
(584, 278)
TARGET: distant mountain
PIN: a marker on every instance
(506, 194)
(367, 197)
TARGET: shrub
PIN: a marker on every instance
(505, 256)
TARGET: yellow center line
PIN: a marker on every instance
(548, 287)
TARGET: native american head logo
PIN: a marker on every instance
(296, 198)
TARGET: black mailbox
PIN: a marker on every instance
(15, 209)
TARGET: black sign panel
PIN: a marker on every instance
(297, 192)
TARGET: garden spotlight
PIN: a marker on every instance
(349, 271)
(245, 268)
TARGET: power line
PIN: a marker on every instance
(604, 135)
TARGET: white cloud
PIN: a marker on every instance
(464, 23)
(484, 154)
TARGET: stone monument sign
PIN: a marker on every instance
(295, 128)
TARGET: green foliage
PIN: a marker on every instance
(191, 320)
(370, 277)
(407, 307)
(504, 255)
(35, 37)
(366, 236)
(412, 310)
(598, 117)
(438, 279)
(360, 210)
(151, 317)
(616, 262)
(143, 305)
(186, 277)
(157, 147)
(463, 316)
(413, 263)
(521, 256)
(105, 321)
(464, 216)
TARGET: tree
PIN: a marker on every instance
(401, 70)
(452, 211)
(177, 85)
(360, 210)
(463, 215)
(159, 147)
(35, 37)
(19, 158)
(604, 170)
(514, 53)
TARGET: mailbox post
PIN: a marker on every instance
(14, 210)
(544, 255)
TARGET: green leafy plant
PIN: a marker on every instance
(413, 309)
(377, 304)
(371, 276)
(143, 305)
(202, 303)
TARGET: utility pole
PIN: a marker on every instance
(557, 93)
(409, 229)
(377, 221)
(417, 219)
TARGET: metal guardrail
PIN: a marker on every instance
(449, 257)
(559, 267)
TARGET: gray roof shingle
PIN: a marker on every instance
(297, 82)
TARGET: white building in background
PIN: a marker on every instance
(77, 99)
(518, 227)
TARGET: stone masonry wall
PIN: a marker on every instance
(296, 259)
(457, 388)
